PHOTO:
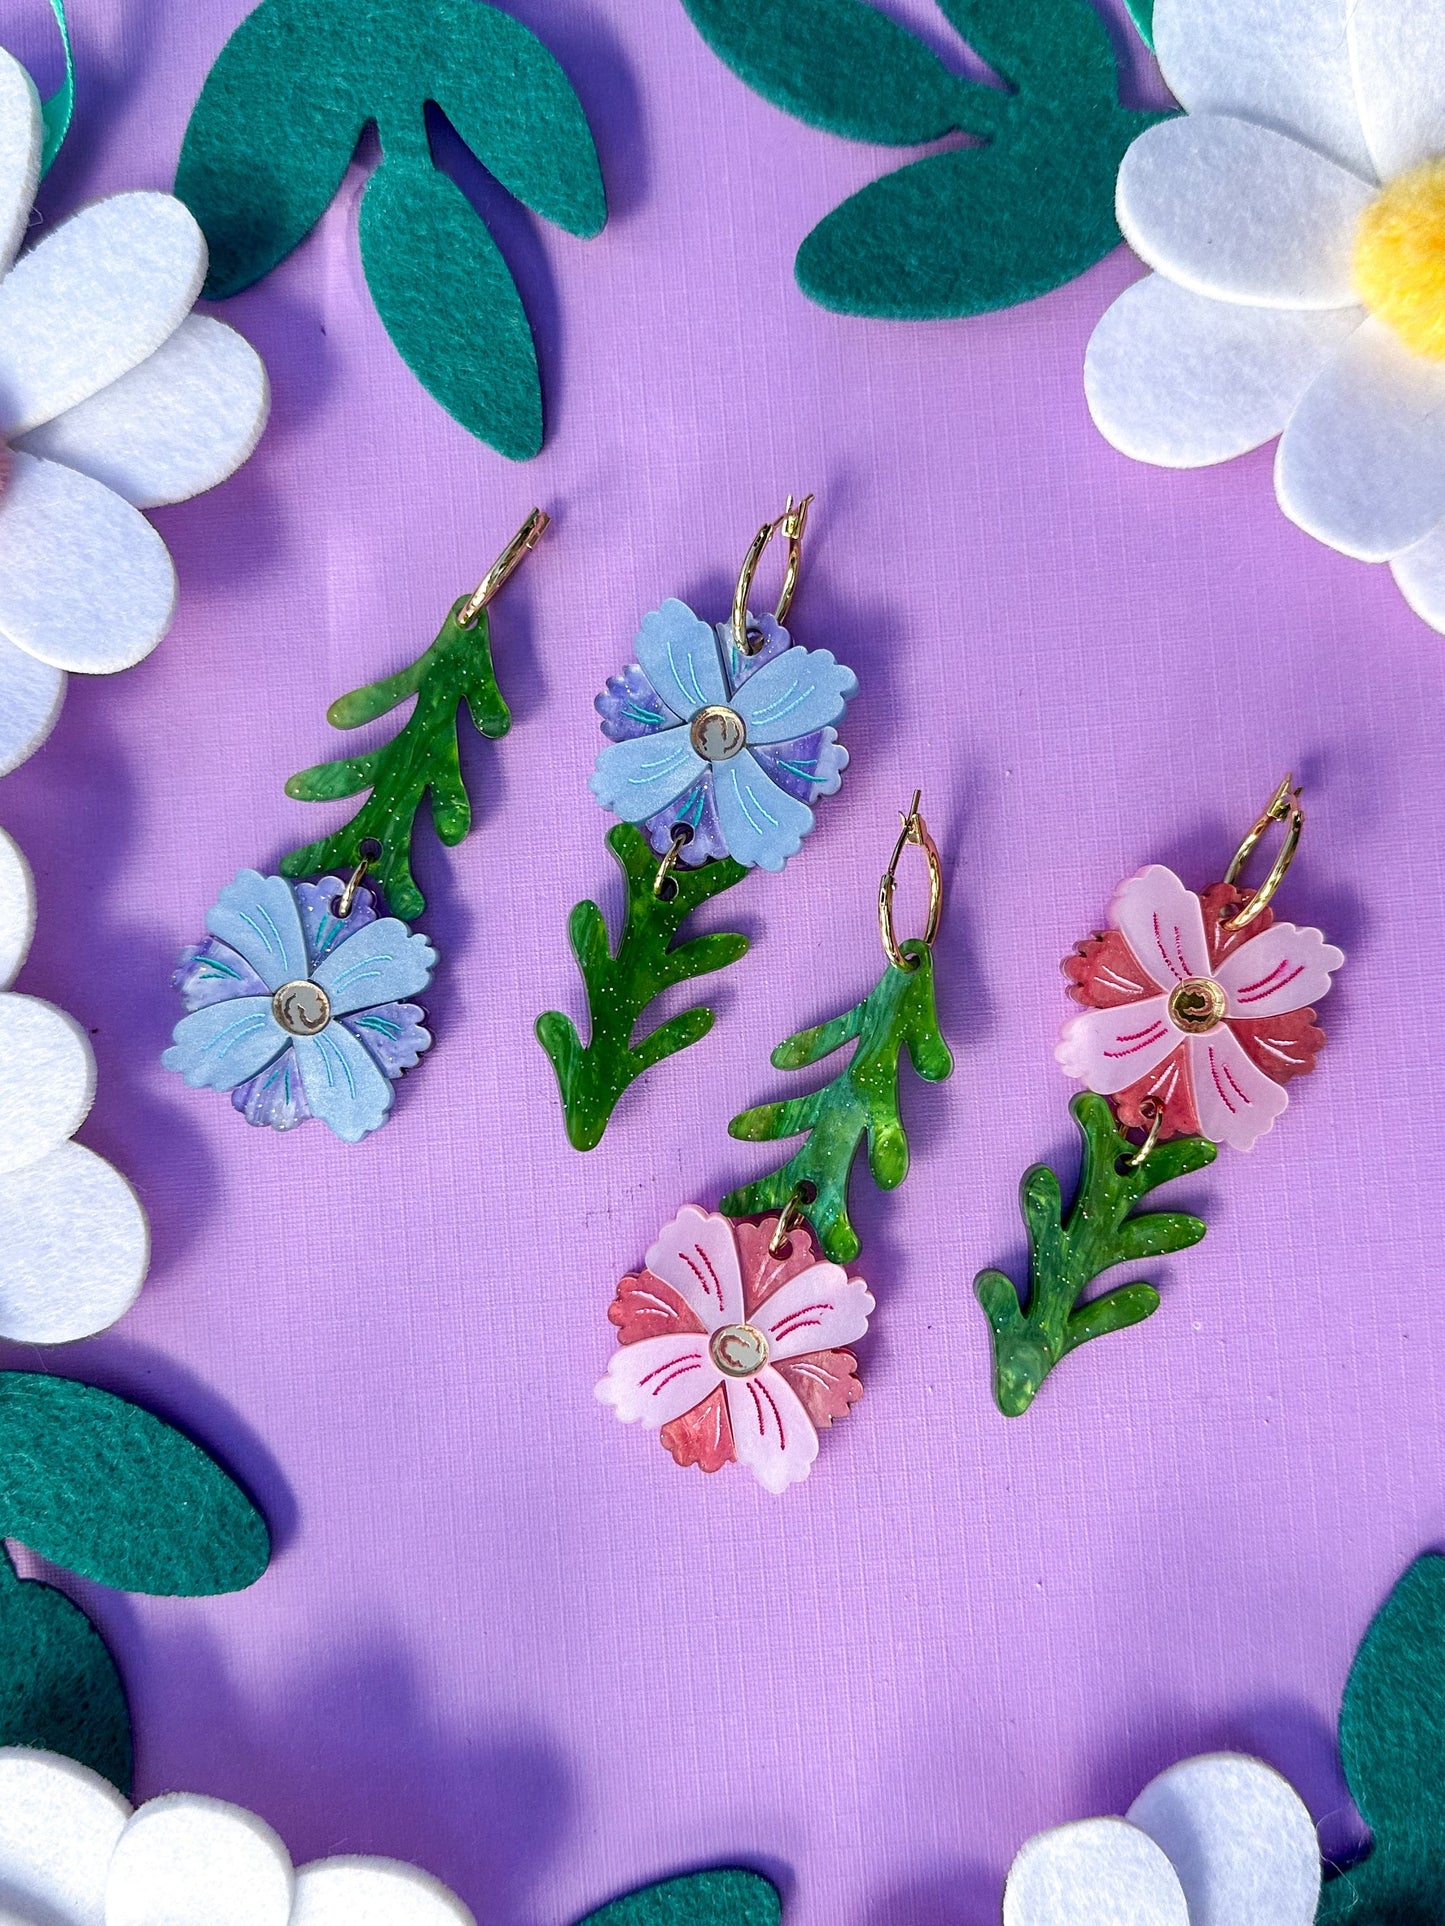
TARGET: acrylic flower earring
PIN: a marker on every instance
(720, 740)
(1197, 1014)
(732, 1341)
(297, 1000)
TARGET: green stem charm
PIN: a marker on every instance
(621, 983)
(861, 1102)
(421, 756)
(1067, 1254)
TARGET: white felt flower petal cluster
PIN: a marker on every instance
(114, 397)
(1295, 221)
(73, 1853)
(1217, 1841)
(74, 1243)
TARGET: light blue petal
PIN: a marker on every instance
(257, 916)
(798, 692)
(344, 1085)
(678, 653)
(382, 963)
(222, 1045)
(641, 776)
(763, 825)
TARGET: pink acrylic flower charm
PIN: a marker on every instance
(734, 1354)
(1184, 1012)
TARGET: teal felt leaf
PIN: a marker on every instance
(1141, 12)
(843, 65)
(725, 1898)
(1392, 1743)
(102, 1488)
(450, 305)
(59, 1689)
(57, 109)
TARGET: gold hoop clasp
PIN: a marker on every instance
(368, 851)
(663, 887)
(1153, 1111)
(914, 830)
(1282, 807)
(525, 539)
(790, 525)
(792, 1214)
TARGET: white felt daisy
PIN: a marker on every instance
(1217, 1841)
(1295, 220)
(114, 397)
(73, 1853)
(74, 1243)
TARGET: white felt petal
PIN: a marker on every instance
(59, 1824)
(20, 137)
(1285, 63)
(1241, 212)
(32, 694)
(373, 1892)
(1239, 1838)
(1361, 464)
(74, 1247)
(1183, 380)
(17, 908)
(1101, 1872)
(85, 581)
(92, 300)
(173, 427)
(47, 1079)
(1398, 50)
(1420, 576)
(189, 1861)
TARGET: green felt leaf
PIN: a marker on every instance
(102, 1488)
(725, 1898)
(1392, 1742)
(57, 110)
(844, 65)
(450, 305)
(1068, 1253)
(59, 1689)
(859, 1106)
(1142, 14)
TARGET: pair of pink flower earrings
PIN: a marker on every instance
(1198, 1011)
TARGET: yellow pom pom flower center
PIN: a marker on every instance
(1400, 258)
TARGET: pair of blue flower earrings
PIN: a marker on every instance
(721, 738)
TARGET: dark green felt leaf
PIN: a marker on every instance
(1392, 1742)
(450, 305)
(102, 1488)
(727, 1898)
(59, 1689)
(1055, 52)
(843, 65)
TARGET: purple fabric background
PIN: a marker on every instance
(502, 1635)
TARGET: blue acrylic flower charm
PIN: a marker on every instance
(734, 747)
(297, 1012)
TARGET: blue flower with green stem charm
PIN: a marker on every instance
(298, 1010)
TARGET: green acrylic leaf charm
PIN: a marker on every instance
(276, 126)
(860, 1103)
(102, 1488)
(1067, 1254)
(422, 757)
(59, 1689)
(724, 1898)
(1392, 1744)
(621, 983)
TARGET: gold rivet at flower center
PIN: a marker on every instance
(1399, 262)
(739, 1350)
(1197, 1005)
(718, 733)
(302, 1008)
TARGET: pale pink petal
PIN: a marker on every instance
(772, 1433)
(1163, 925)
(822, 1309)
(697, 1255)
(1235, 1100)
(1281, 969)
(1110, 1049)
(658, 1379)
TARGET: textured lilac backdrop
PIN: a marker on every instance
(503, 1635)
